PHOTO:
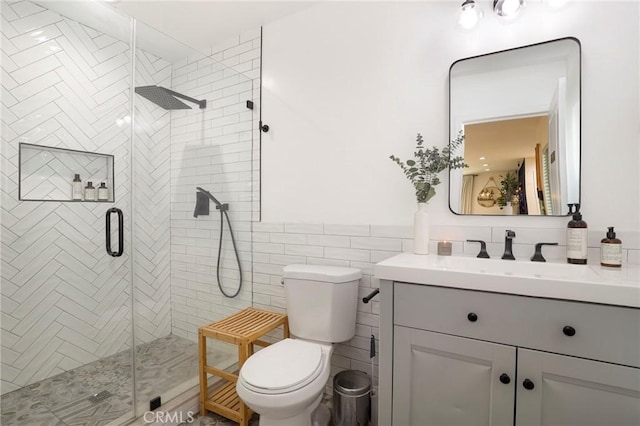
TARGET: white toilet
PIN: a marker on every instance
(284, 382)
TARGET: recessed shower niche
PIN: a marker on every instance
(47, 174)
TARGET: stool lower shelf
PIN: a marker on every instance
(243, 329)
(225, 401)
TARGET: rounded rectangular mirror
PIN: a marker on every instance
(519, 111)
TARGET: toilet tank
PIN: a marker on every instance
(322, 301)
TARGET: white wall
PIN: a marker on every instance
(348, 84)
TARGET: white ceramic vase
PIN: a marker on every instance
(421, 230)
(508, 209)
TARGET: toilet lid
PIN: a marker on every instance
(286, 365)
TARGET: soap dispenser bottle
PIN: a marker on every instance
(577, 238)
(611, 250)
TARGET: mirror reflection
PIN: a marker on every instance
(520, 113)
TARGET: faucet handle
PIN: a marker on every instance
(509, 234)
(537, 256)
(483, 249)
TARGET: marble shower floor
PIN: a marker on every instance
(163, 365)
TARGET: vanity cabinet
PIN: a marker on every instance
(447, 380)
(575, 391)
(464, 357)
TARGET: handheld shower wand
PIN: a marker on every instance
(202, 208)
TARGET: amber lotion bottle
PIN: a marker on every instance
(611, 250)
(576, 238)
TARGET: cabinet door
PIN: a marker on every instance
(443, 380)
(575, 391)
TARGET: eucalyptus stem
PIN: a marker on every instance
(423, 171)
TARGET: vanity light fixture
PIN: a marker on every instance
(508, 9)
(469, 15)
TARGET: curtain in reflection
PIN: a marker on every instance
(467, 193)
(522, 196)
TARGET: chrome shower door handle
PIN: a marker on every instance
(120, 232)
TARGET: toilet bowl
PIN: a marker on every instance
(284, 382)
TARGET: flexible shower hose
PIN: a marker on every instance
(223, 214)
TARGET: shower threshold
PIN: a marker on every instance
(165, 367)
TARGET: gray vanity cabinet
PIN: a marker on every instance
(575, 391)
(463, 357)
(448, 380)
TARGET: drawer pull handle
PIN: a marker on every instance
(472, 317)
(504, 378)
(569, 331)
(528, 384)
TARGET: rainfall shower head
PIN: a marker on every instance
(166, 98)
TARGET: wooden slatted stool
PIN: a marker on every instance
(244, 329)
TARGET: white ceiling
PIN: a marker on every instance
(205, 23)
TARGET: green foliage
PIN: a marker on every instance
(509, 186)
(423, 171)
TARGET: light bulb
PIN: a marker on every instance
(470, 15)
(508, 8)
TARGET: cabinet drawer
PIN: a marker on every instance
(602, 332)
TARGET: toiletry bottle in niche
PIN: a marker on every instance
(577, 238)
(76, 188)
(103, 192)
(611, 250)
(89, 192)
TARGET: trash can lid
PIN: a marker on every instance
(352, 382)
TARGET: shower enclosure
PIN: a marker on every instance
(102, 296)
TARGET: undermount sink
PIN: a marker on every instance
(540, 270)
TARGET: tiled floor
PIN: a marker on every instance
(163, 364)
(212, 419)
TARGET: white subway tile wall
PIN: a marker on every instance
(216, 149)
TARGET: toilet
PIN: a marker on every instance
(284, 382)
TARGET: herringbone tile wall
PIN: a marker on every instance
(65, 302)
(151, 205)
(44, 173)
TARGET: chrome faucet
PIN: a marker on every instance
(508, 245)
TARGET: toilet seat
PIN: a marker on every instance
(282, 367)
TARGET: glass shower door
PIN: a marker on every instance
(181, 144)
(66, 292)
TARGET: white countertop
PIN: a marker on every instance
(587, 283)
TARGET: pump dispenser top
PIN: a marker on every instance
(576, 237)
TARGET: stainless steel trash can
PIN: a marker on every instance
(351, 398)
